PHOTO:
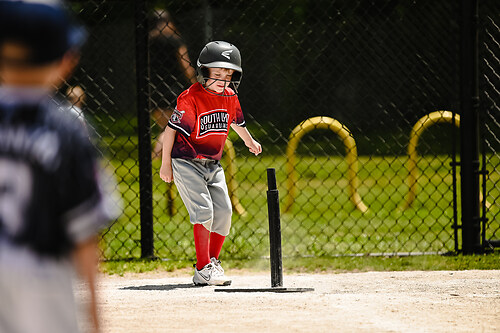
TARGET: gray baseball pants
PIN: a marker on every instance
(202, 187)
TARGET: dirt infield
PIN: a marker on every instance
(441, 301)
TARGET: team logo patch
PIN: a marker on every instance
(177, 116)
(216, 121)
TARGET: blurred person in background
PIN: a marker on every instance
(76, 97)
(171, 70)
(52, 192)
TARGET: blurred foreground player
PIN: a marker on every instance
(52, 204)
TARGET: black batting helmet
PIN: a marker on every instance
(220, 54)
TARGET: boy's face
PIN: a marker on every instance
(219, 79)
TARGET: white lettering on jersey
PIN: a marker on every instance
(214, 121)
(40, 146)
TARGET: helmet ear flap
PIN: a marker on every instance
(236, 76)
(201, 74)
(236, 80)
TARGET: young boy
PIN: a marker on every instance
(51, 200)
(192, 148)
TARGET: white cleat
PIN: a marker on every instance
(209, 275)
(217, 265)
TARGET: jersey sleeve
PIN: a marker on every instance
(239, 119)
(183, 118)
(90, 199)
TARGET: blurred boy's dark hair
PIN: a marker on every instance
(44, 28)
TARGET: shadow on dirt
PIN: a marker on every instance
(165, 287)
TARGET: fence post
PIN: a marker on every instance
(144, 130)
(469, 129)
(208, 29)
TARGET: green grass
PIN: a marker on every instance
(322, 221)
(320, 264)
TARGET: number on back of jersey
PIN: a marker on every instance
(15, 193)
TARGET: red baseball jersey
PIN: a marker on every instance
(202, 120)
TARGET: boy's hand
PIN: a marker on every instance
(166, 173)
(254, 147)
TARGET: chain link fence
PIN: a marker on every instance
(354, 102)
(489, 48)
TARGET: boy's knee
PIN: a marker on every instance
(225, 213)
(222, 229)
(203, 216)
(222, 221)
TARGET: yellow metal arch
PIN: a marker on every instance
(351, 157)
(420, 126)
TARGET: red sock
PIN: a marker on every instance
(201, 244)
(216, 241)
